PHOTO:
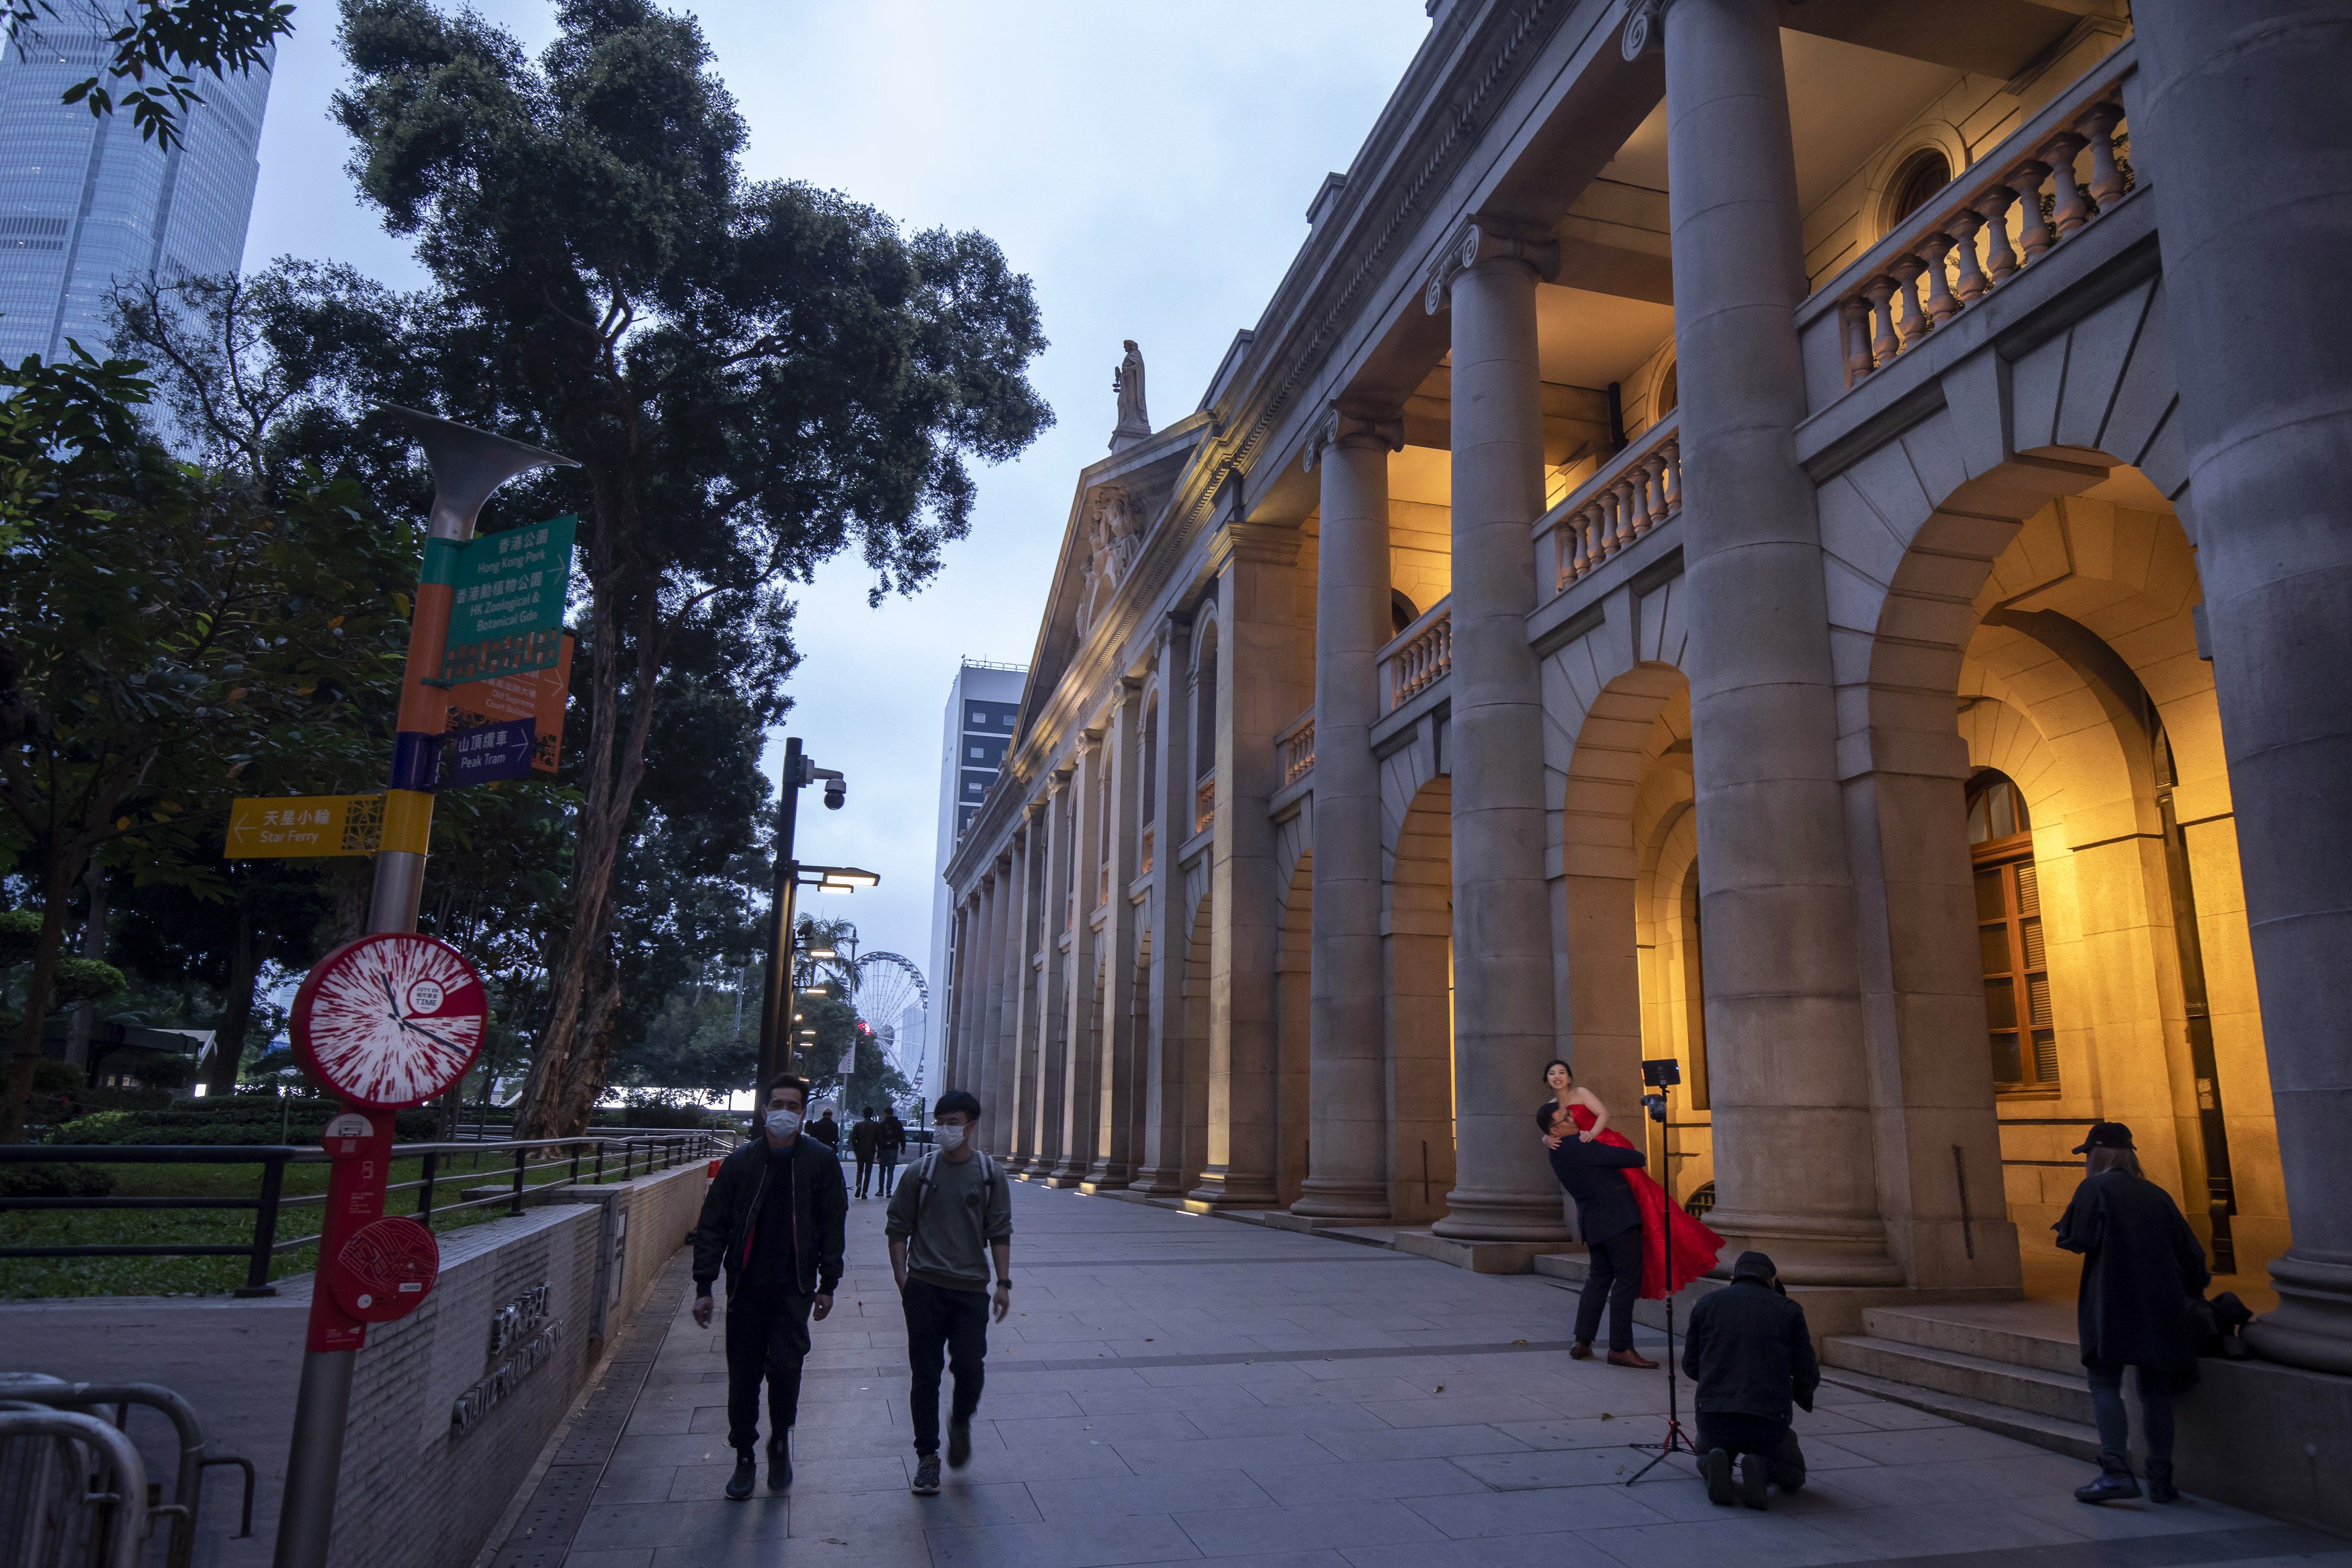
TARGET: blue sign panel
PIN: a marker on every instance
(487, 753)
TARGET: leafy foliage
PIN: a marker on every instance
(156, 47)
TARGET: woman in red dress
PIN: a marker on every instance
(1694, 1246)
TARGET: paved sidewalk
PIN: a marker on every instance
(1172, 1387)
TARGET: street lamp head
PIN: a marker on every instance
(468, 464)
(821, 952)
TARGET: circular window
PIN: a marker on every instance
(1926, 174)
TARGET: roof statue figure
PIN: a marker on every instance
(1134, 423)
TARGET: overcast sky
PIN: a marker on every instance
(1148, 166)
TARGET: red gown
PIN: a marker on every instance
(1695, 1245)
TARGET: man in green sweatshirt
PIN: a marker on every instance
(951, 1213)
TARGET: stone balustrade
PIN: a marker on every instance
(1295, 748)
(1204, 805)
(1990, 224)
(1419, 656)
(1635, 491)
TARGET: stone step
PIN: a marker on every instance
(2020, 1344)
(2072, 1438)
(2030, 1389)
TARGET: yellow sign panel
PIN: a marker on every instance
(276, 827)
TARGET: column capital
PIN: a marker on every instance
(1485, 238)
(1362, 429)
(1264, 543)
(1645, 27)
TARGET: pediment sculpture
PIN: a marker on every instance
(1114, 540)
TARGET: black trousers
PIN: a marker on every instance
(950, 1322)
(766, 1338)
(864, 1172)
(888, 1161)
(1784, 1461)
(1616, 1278)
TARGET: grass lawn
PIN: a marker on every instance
(25, 1279)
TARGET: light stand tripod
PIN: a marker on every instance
(1661, 1075)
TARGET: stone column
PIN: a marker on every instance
(1258, 692)
(1082, 1050)
(1790, 1085)
(1053, 1012)
(1347, 1097)
(1160, 1170)
(1116, 1076)
(1001, 1092)
(1504, 1190)
(1016, 1093)
(2246, 130)
(989, 990)
(951, 1045)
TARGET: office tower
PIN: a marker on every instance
(984, 705)
(85, 204)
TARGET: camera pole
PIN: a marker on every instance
(1676, 1441)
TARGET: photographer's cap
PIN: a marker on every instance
(2107, 1136)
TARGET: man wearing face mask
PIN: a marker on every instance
(951, 1214)
(773, 1221)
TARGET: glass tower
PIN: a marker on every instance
(84, 203)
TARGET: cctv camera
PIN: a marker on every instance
(835, 793)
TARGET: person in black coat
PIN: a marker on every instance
(2142, 1267)
(773, 1221)
(1611, 1224)
(1751, 1354)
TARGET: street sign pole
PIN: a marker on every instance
(467, 466)
(776, 996)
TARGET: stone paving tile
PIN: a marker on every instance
(1367, 1412)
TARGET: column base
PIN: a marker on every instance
(1153, 1182)
(1502, 1216)
(1235, 1189)
(2312, 1327)
(1327, 1197)
(1065, 1173)
(1106, 1176)
(1478, 1257)
(1808, 1250)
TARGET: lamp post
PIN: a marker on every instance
(775, 995)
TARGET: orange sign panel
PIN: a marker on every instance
(534, 694)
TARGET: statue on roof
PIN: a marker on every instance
(1127, 381)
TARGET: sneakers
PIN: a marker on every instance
(2108, 1487)
(1716, 1466)
(927, 1476)
(780, 1461)
(959, 1444)
(1752, 1475)
(746, 1476)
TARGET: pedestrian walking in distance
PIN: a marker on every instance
(862, 1139)
(2142, 1266)
(772, 1222)
(1752, 1355)
(827, 1131)
(887, 1143)
(951, 1213)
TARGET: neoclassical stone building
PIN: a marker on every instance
(1807, 539)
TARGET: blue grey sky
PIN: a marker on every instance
(1149, 166)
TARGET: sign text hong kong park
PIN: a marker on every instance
(506, 610)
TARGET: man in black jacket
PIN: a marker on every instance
(1750, 1353)
(773, 1221)
(864, 1134)
(1611, 1224)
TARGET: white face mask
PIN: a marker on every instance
(784, 1124)
(951, 1137)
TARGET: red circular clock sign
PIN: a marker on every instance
(385, 1270)
(390, 1019)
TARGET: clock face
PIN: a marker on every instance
(390, 1019)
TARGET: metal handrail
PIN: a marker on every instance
(37, 1388)
(126, 1530)
(670, 1147)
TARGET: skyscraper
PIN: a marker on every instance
(85, 203)
(984, 705)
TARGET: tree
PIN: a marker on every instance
(754, 375)
(169, 632)
(165, 39)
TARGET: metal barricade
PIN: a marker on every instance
(72, 1491)
(23, 1389)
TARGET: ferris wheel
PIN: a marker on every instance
(893, 1000)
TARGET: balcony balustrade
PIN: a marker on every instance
(1958, 250)
(1420, 656)
(1295, 747)
(1143, 861)
(1204, 805)
(1635, 491)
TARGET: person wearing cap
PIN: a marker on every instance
(2141, 1267)
(1751, 1354)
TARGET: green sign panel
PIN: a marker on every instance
(506, 613)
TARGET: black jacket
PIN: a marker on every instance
(1592, 1174)
(827, 1132)
(892, 1136)
(820, 1204)
(862, 1136)
(1749, 1352)
(2141, 1268)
